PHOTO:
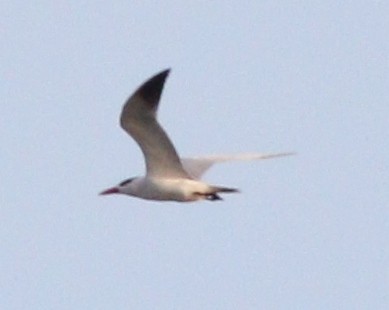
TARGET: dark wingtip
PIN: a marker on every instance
(151, 90)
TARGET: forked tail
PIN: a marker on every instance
(218, 189)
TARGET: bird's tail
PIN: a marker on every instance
(221, 189)
(213, 195)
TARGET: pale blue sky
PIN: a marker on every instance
(307, 232)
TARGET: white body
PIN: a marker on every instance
(183, 190)
(167, 176)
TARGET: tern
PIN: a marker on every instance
(168, 177)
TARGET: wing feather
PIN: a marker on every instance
(197, 166)
(139, 119)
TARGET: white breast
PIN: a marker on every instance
(168, 189)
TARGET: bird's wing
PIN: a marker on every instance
(139, 119)
(197, 166)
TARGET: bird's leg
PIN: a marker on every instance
(213, 197)
(209, 196)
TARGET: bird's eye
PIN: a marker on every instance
(125, 182)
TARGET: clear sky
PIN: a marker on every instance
(307, 232)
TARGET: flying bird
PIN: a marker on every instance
(168, 177)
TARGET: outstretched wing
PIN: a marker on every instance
(197, 166)
(139, 119)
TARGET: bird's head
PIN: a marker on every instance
(124, 187)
